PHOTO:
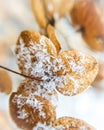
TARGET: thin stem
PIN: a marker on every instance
(19, 73)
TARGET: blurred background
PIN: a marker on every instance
(15, 16)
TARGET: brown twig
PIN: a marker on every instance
(19, 73)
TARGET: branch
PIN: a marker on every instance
(26, 76)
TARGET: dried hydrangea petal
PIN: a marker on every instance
(80, 71)
(38, 88)
(39, 12)
(27, 110)
(34, 54)
(69, 123)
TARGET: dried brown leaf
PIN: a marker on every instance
(85, 14)
(5, 82)
(67, 123)
(54, 8)
(51, 34)
(81, 70)
(39, 12)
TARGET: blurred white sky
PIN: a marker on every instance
(15, 16)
